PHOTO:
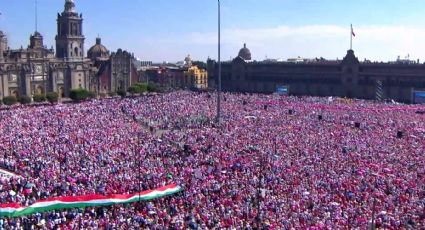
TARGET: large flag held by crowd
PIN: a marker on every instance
(59, 203)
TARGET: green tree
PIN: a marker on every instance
(122, 93)
(10, 100)
(24, 100)
(52, 97)
(143, 87)
(79, 94)
(134, 89)
(39, 98)
(91, 95)
(154, 88)
(200, 64)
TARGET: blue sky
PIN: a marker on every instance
(170, 29)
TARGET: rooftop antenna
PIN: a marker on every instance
(36, 15)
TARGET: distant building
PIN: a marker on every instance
(320, 77)
(115, 72)
(196, 77)
(146, 63)
(166, 76)
(181, 75)
(38, 69)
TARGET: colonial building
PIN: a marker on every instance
(116, 71)
(196, 77)
(181, 75)
(38, 69)
(343, 78)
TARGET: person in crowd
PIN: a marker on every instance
(262, 167)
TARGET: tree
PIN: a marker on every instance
(39, 98)
(10, 100)
(122, 93)
(134, 89)
(24, 100)
(154, 88)
(52, 97)
(91, 94)
(200, 64)
(79, 94)
(143, 87)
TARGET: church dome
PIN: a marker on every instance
(98, 51)
(244, 53)
(188, 60)
(37, 34)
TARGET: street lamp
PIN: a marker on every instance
(260, 187)
(137, 156)
(219, 68)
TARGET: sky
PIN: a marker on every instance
(168, 30)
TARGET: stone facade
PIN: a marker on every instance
(37, 69)
(70, 38)
(345, 78)
(115, 73)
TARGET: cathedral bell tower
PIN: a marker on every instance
(70, 38)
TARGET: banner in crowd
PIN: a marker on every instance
(16, 210)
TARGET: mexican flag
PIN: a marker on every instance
(58, 203)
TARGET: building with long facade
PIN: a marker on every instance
(186, 74)
(38, 69)
(400, 80)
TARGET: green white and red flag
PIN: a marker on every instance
(59, 203)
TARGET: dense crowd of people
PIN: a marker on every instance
(272, 163)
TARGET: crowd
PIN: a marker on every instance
(272, 163)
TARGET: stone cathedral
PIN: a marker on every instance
(38, 69)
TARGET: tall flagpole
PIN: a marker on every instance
(219, 68)
(351, 37)
(36, 16)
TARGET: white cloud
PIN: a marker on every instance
(376, 43)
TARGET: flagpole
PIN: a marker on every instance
(219, 68)
(36, 16)
(351, 37)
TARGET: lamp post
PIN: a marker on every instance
(219, 68)
(259, 192)
(139, 165)
(372, 225)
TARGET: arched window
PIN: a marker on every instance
(76, 51)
